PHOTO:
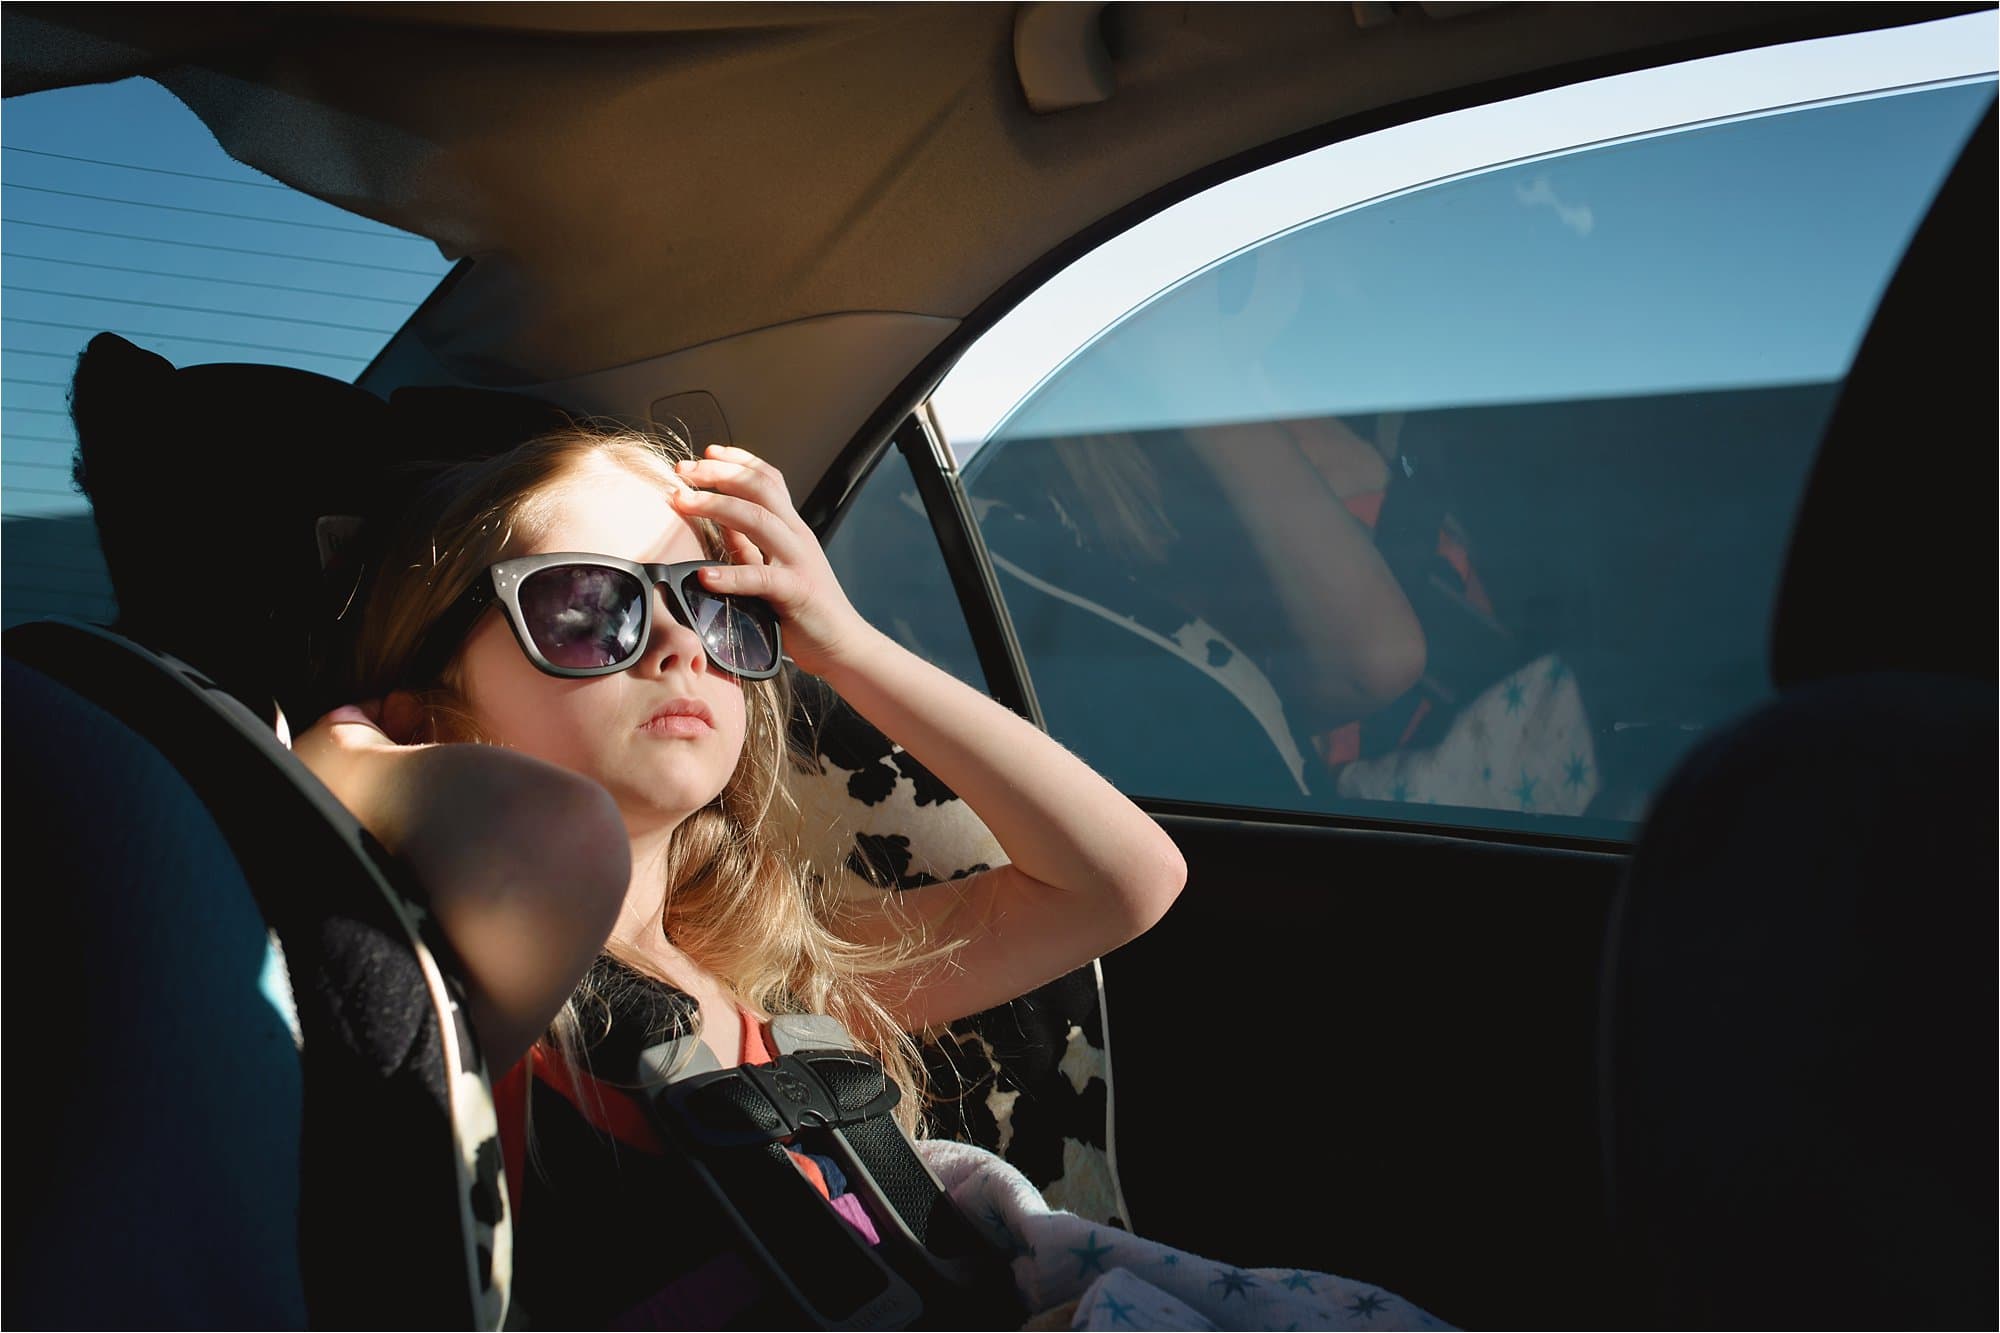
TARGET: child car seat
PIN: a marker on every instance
(193, 1202)
(342, 1172)
(396, 1179)
(358, 1151)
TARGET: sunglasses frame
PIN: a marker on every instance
(501, 582)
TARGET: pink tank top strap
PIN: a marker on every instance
(756, 1050)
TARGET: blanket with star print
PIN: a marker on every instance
(1104, 1278)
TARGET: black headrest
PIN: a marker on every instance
(1798, 1014)
(1891, 564)
(446, 422)
(208, 483)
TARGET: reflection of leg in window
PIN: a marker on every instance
(1524, 744)
(1317, 600)
(1481, 728)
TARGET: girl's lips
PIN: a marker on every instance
(680, 717)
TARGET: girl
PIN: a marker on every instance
(607, 614)
(636, 733)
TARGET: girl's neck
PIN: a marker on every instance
(640, 932)
(642, 939)
(641, 935)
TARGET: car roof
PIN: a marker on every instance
(808, 205)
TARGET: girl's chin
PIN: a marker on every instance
(649, 811)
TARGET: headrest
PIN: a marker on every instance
(1891, 563)
(449, 422)
(1796, 1019)
(208, 485)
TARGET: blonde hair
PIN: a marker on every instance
(1121, 489)
(738, 903)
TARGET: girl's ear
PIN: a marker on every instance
(402, 717)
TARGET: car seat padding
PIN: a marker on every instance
(402, 1216)
(152, 1146)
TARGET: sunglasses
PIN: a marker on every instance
(592, 615)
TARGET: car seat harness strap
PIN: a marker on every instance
(824, 1095)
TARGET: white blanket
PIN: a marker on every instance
(1112, 1279)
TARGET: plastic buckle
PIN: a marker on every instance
(754, 1104)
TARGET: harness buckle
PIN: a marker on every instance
(755, 1104)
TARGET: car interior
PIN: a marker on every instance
(1711, 1047)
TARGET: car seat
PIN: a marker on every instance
(257, 1105)
(1797, 1061)
(371, 1130)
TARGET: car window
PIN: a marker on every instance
(886, 555)
(1465, 504)
(122, 213)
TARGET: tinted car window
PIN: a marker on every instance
(888, 561)
(123, 214)
(1468, 504)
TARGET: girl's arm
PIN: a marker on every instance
(524, 864)
(1088, 869)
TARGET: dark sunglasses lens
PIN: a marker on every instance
(738, 632)
(584, 615)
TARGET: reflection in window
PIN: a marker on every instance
(1468, 505)
(888, 562)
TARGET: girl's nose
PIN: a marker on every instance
(673, 643)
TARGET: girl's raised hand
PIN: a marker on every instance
(368, 725)
(336, 747)
(777, 556)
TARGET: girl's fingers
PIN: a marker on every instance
(741, 549)
(767, 488)
(775, 585)
(350, 727)
(377, 722)
(744, 517)
(763, 486)
(730, 453)
(352, 714)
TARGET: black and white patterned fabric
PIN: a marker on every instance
(484, 1219)
(1030, 1079)
(401, 1220)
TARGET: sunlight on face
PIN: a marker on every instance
(609, 728)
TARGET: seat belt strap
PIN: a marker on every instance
(930, 1269)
